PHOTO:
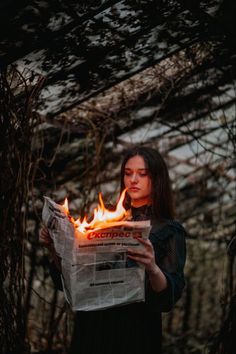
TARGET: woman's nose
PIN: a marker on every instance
(134, 177)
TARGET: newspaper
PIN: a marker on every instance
(96, 271)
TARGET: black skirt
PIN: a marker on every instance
(131, 329)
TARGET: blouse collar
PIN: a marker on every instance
(142, 213)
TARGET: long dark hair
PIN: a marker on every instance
(162, 196)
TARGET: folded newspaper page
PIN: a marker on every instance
(96, 271)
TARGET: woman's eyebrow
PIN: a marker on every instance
(143, 169)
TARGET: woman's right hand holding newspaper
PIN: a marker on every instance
(46, 241)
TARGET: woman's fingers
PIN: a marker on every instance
(146, 243)
(145, 256)
(146, 251)
(147, 262)
(43, 231)
(44, 237)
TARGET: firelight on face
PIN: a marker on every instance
(137, 181)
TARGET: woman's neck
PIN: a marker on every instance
(140, 203)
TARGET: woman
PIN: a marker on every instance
(136, 328)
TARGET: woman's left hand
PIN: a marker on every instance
(145, 256)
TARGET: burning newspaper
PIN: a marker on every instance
(96, 271)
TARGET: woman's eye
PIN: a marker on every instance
(140, 174)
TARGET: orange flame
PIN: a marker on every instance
(102, 216)
(65, 206)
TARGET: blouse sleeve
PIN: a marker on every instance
(170, 254)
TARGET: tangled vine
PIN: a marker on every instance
(17, 122)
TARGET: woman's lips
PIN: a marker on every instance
(134, 189)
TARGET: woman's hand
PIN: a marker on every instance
(45, 238)
(145, 256)
(47, 242)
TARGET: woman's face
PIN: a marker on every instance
(137, 181)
